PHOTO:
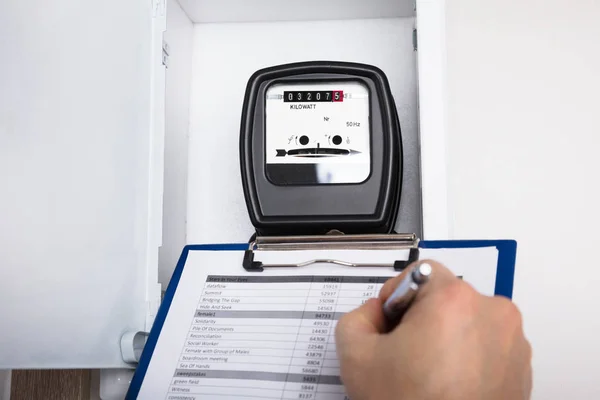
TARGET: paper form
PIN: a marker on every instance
(232, 334)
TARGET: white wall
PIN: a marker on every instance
(177, 104)
(226, 55)
(524, 144)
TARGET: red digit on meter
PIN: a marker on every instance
(338, 95)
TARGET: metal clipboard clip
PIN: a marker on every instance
(404, 241)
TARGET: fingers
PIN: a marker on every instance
(356, 336)
(362, 322)
(440, 276)
(369, 318)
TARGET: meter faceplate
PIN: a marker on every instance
(317, 133)
(291, 199)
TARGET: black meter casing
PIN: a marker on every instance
(297, 208)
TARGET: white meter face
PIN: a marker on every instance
(318, 133)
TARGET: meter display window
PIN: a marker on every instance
(317, 133)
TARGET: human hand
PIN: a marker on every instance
(452, 344)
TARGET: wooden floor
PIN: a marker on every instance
(50, 384)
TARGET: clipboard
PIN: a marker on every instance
(250, 262)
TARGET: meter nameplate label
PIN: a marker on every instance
(325, 125)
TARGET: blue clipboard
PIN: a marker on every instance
(505, 271)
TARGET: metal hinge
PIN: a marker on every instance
(132, 345)
(165, 54)
(415, 44)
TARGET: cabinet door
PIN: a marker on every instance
(80, 179)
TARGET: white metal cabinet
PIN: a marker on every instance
(82, 111)
(80, 180)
